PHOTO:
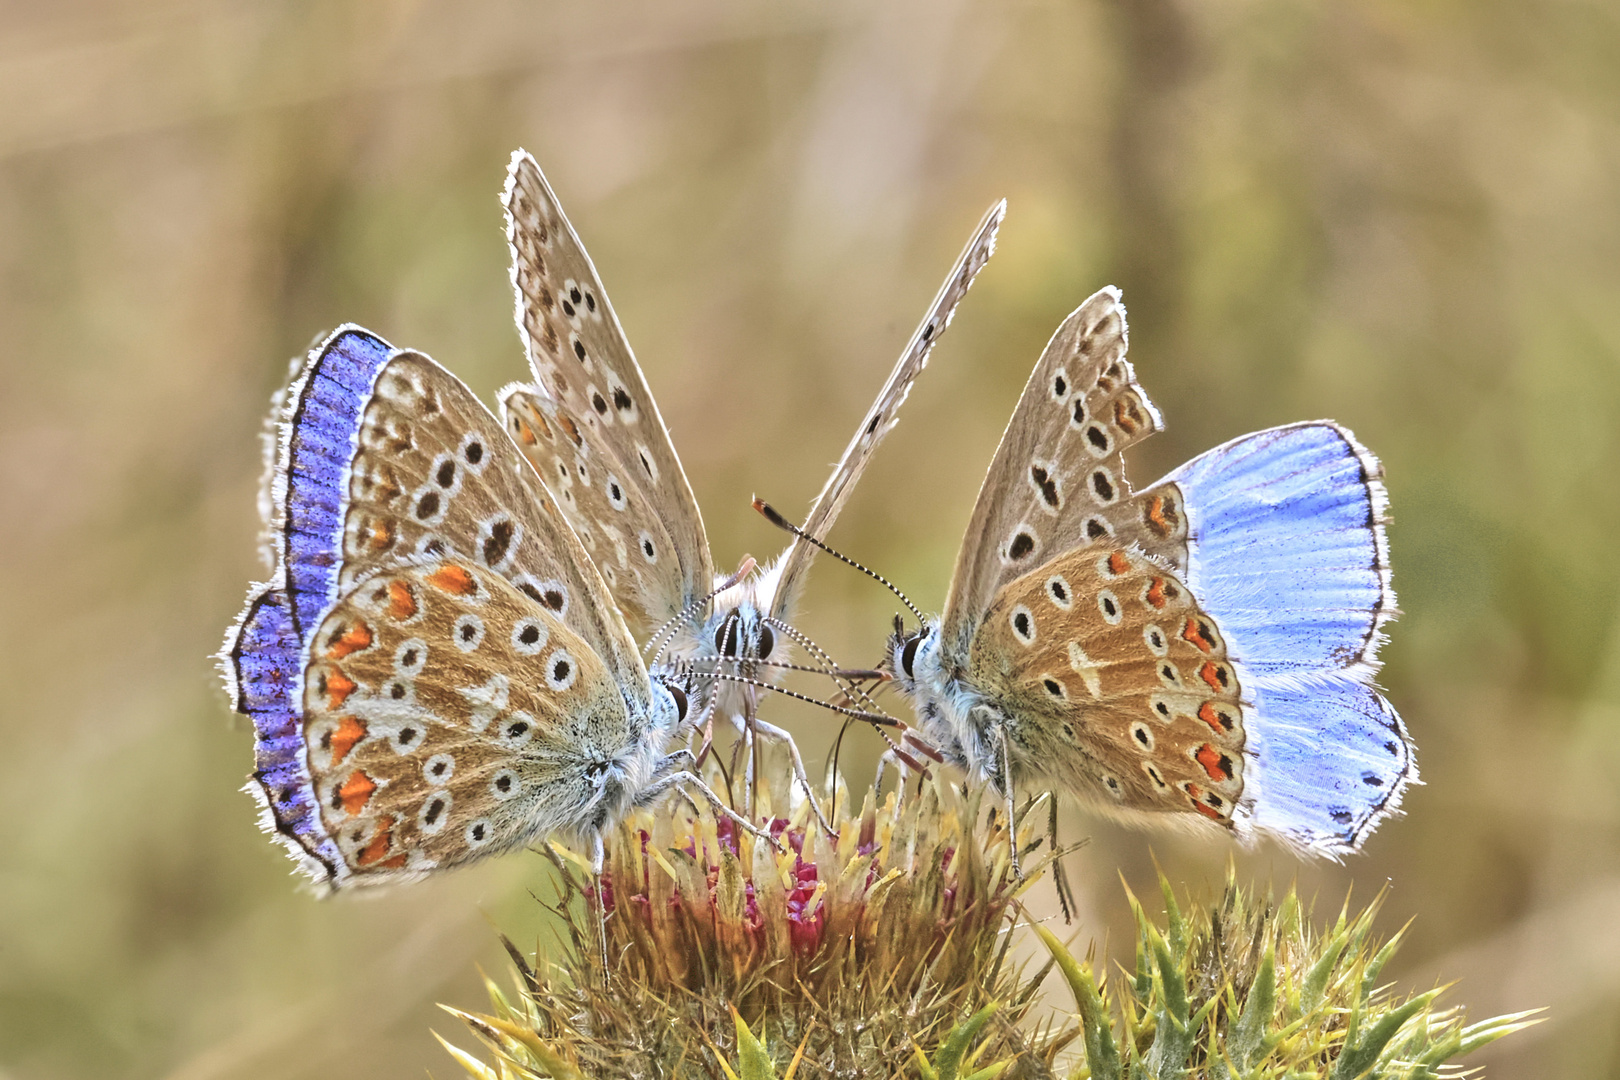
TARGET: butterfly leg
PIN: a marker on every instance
(598, 858)
(1065, 894)
(771, 731)
(684, 779)
(1005, 785)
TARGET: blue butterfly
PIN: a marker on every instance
(1201, 651)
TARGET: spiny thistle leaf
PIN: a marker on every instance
(1096, 1027)
(1248, 991)
(753, 1059)
(953, 1052)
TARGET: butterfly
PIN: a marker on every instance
(1201, 651)
(591, 428)
(436, 671)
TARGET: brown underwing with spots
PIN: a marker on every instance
(1201, 651)
(436, 671)
(1069, 651)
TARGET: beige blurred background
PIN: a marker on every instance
(1402, 215)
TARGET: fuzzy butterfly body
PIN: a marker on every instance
(590, 427)
(1201, 650)
(436, 671)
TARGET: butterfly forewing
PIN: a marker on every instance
(1116, 684)
(885, 411)
(609, 503)
(581, 359)
(1057, 481)
(435, 475)
(444, 718)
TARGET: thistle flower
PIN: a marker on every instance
(885, 952)
(847, 952)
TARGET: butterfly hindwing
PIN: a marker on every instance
(399, 506)
(263, 662)
(582, 361)
(1331, 761)
(1116, 684)
(448, 716)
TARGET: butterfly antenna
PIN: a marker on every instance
(783, 523)
(846, 687)
(878, 719)
(693, 608)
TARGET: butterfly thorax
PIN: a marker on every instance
(945, 705)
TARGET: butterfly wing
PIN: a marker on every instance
(1057, 481)
(1114, 684)
(885, 411)
(386, 460)
(449, 716)
(1285, 543)
(589, 384)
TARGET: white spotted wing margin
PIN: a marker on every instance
(784, 580)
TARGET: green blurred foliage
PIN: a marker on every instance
(1404, 215)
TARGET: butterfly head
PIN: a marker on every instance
(912, 654)
(671, 704)
(740, 634)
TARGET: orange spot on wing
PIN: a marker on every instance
(355, 638)
(338, 688)
(377, 850)
(526, 434)
(1118, 563)
(1194, 632)
(382, 535)
(453, 579)
(1207, 713)
(1208, 811)
(1210, 672)
(1155, 593)
(1215, 763)
(349, 731)
(356, 792)
(401, 604)
(1126, 416)
(1155, 515)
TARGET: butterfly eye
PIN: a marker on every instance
(680, 701)
(908, 656)
(767, 642)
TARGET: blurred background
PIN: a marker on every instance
(1402, 215)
